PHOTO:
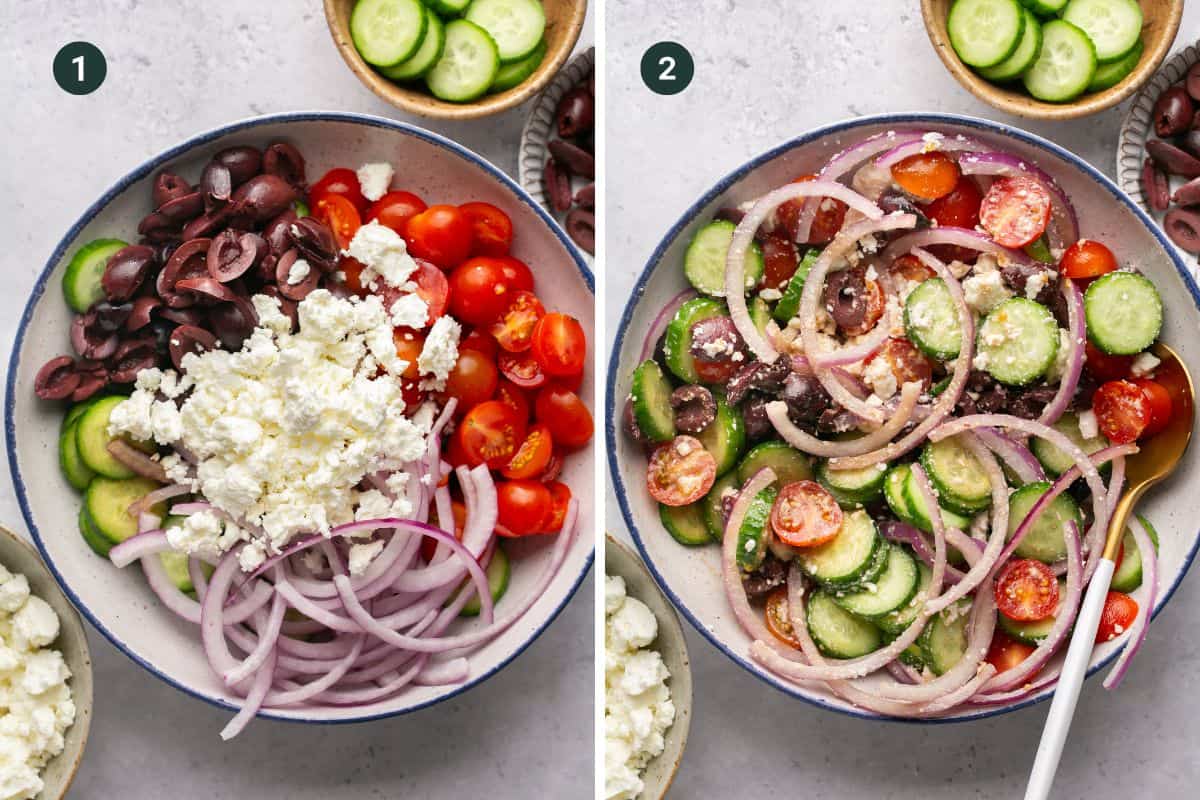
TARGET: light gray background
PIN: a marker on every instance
(767, 70)
(177, 67)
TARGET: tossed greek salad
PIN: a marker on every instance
(900, 395)
(314, 430)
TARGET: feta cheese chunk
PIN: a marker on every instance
(374, 179)
(384, 255)
(985, 291)
(440, 352)
(1144, 364)
(1089, 427)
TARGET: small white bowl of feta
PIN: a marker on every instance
(45, 678)
(648, 681)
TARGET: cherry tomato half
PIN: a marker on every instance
(352, 269)
(1026, 590)
(780, 260)
(492, 229)
(907, 362)
(876, 303)
(441, 234)
(1006, 652)
(514, 326)
(927, 176)
(680, 471)
(395, 209)
(517, 273)
(1015, 211)
(805, 515)
(511, 394)
(1087, 258)
(525, 507)
(522, 369)
(532, 456)
(478, 291)
(911, 268)
(959, 208)
(480, 342)
(1104, 366)
(491, 432)
(1120, 610)
(559, 344)
(433, 288)
(1160, 404)
(409, 344)
(341, 182)
(1122, 410)
(565, 415)
(473, 379)
(827, 221)
(560, 493)
(340, 215)
(778, 620)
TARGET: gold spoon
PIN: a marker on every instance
(1157, 458)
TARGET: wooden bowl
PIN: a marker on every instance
(564, 21)
(1160, 24)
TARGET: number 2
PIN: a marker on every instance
(668, 65)
(78, 62)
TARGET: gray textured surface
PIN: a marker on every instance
(176, 67)
(766, 71)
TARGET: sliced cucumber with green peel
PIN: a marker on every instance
(958, 478)
(1066, 65)
(896, 622)
(752, 535)
(944, 640)
(894, 484)
(518, 72)
(985, 32)
(1114, 26)
(714, 501)
(704, 260)
(386, 32)
(1124, 313)
(515, 25)
(837, 632)
(760, 314)
(77, 473)
(650, 394)
(1045, 541)
(1109, 75)
(1128, 575)
(849, 558)
(91, 534)
(76, 411)
(919, 513)
(91, 436)
(1018, 341)
(1045, 8)
(1039, 250)
(1022, 58)
(913, 656)
(1055, 461)
(891, 591)
(498, 573)
(931, 320)
(426, 56)
(1031, 632)
(449, 8)
(853, 488)
(685, 523)
(788, 463)
(107, 501)
(175, 564)
(81, 281)
(725, 437)
(678, 346)
(789, 304)
(468, 65)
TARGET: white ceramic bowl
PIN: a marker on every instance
(691, 576)
(120, 604)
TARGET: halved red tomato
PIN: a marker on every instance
(1006, 653)
(491, 432)
(1104, 366)
(480, 342)
(1026, 590)
(433, 288)
(1015, 211)
(1120, 610)
(533, 456)
(341, 182)
(560, 493)
(805, 515)
(1160, 404)
(1123, 411)
(513, 329)
(907, 362)
(340, 215)
(680, 472)
(409, 344)
(522, 369)
(395, 209)
(352, 269)
(778, 620)
(927, 176)
(780, 261)
(559, 344)
(1085, 259)
(492, 229)
(511, 394)
(525, 507)
(565, 415)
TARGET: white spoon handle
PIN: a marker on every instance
(1062, 707)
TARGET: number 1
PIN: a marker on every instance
(668, 65)
(78, 62)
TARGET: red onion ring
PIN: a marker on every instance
(659, 325)
(961, 237)
(930, 142)
(1065, 230)
(1016, 456)
(1137, 631)
(140, 463)
(807, 443)
(1076, 331)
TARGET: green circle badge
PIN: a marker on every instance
(667, 68)
(80, 68)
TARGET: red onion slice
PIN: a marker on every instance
(137, 547)
(1065, 230)
(664, 317)
(961, 237)
(1076, 332)
(1137, 631)
(807, 443)
(931, 142)
(866, 346)
(1016, 456)
(136, 460)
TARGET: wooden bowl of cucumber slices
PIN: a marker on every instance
(455, 59)
(1052, 59)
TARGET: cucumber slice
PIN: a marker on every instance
(704, 260)
(91, 437)
(849, 557)
(1114, 26)
(1018, 341)
(714, 501)
(919, 514)
(176, 563)
(516, 26)
(1044, 8)
(1124, 313)
(1109, 75)
(944, 640)
(498, 572)
(891, 591)
(896, 622)
(1055, 461)
(449, 8)
(77, 473)
(1066, 65)
(931, 320)
(518, 72)
(468, 65)
(894, 485)
(386, 32)
(752, 536)
(837, 632)
(985, 32)
(651, 396)
(1031, 632)
(301, 208)
(91, 534)
(1039, 250)
(1023, 57)
(678, 347)
(81, 281)
(957, 476)
(426, 56)
(76, 411)
(789, 304)
(1128, 575)
(853, 488)
(1045, 542)
(725, 437)
(788, 463)
(760, 314)
(913, 656)
(107, 502)
(685, 523)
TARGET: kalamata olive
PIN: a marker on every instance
(207, 290)
(1017, 275)
(1183, 226)
(1172, 112)
(1192, 82)
(189, 339)
(757, 376)
(285, 161)
(558, 185)
(574, 158)
(984, 395)
(190, 260)
(754, 415)
(57, 379)
(806, 399)
(233, 322)
(108, 317)
(243, 163)
(629, 423)
(1172, 159)
(216, 184)
(126, 270)
(1188, 194)
(295, 287)
(287, 307)
(207, 224)
(183, 316)
(158, 228)
(770, 575)
(585, 198)
(276, 232)
(133, 356)
(893, 202)
(581, 227)
(232, 253)
(695, 408)
(93, 376)
(142, 308)
(167, 187)
(715, 340)
(576, 112)
(315, 241)
(730, 214)
(1191, 140)
(846, 297)
(183, 209)
(1029, 403)
(1155, 186)
(263, 197)
(88, 341)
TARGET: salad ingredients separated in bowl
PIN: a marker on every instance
(899, 396)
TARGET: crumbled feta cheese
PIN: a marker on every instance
(1035, 284)
(361, 555)
(1089, 426)
(299, 270)
(375, 179)
(383, 254)
(985, 291)
(1144, 364)
(770, 295)
(879, 376)
(440, 351)
(1061, 358)
(410, 311)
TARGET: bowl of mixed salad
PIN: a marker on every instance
(295, 416)
(870, 406)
